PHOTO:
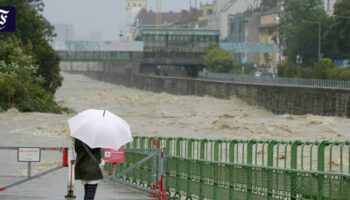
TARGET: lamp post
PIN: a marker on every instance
(319, 36)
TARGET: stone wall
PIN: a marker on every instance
(277, 99)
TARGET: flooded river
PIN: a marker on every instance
(161, 114)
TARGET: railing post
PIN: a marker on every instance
(293, 166)
(202, 156)
(216, 150)
(154, 168)
(320, 168)
(270, 148)
(232, 170)
(202, 149)
(249, 168)
(178, 146)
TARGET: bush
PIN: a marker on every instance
(324, 69)
(218, 60)
(344, 75)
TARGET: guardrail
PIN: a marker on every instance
(251, 169)
(342, 84)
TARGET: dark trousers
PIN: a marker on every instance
(90, 191)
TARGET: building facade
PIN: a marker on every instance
(133, 7)
(175, 51)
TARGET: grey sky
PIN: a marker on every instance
(105, 16)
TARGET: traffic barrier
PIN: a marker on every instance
(55, 158)
(250, 169)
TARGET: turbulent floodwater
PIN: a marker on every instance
(160, 114)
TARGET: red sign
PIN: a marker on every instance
(114, 155)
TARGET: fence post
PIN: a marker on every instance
(216, 150)
(270, 152)
(320, 168)
(249, 168)
(293, 166)
(232, 171)
(202, 156)
(202, 149)
(154, 168)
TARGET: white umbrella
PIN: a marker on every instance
(100, 129)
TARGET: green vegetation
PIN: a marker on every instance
(29, 67)
(325, 69)
(218, 60)
(299, 27)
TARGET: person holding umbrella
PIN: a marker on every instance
(95, 129)
(87, 168)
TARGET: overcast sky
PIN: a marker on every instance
(105, 16)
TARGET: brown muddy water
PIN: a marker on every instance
(161, 114)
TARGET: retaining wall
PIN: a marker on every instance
(278, 99)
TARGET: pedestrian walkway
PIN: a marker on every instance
(54, 186)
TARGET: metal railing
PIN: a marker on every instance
(252, 169)
(144, 169)
(340, 84)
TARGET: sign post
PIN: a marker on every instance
(28, 155)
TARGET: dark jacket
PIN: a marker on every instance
(86, 168)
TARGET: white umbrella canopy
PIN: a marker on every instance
(100, 129)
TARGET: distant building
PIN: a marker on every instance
(132, 8)
(329, 6)
(243, 30)
(267, 34)
(175, 51)
(205, 11)
(218, 20)
(188, 19)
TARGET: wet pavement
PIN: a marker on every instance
(54, 186)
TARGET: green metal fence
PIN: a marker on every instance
(249, 169)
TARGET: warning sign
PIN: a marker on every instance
(28, 155)
(114, 155)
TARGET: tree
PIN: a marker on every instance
(297, 36)
(34, 31)
(342, 28)
(20, 84)
(218, 60)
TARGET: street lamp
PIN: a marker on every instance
(319, 36)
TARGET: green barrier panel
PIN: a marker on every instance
(248, 169)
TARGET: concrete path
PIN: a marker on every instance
(54, 186)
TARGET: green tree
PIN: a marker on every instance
(297, 36)
(34, 31)
(342, 28)
(20, 84)
(326, 69)
(218, 60)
